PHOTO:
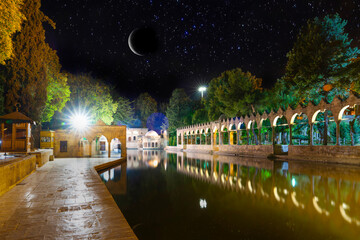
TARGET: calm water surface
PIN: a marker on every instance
(201, 196)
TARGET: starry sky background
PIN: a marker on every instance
(198, 39)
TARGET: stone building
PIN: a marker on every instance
(97, 140)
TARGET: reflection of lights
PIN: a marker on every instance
(318, 208)
(201, 172)
(285, 192)
(215, 176)
(207, 173)
(277, 197)
(342, 208)
(250, 187)
(230, 180)
(332, 203)
(222, 178)
(153, 163)
(240, 185)
(203, 203)
(296, 203)
(263, 193)
(112, 174)
(106, 176)
(293, 182)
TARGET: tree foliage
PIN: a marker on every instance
(179, 111)
(10, 22)
(58, 91)
(26, 80)
(234, 93)
(321, 50)
(145, 105)
(125, 112)
(90, 93)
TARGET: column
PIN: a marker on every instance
(311, 134)
(290, 128)
(212, 138)
(273, 135)
(259, 136)
(248, 137)
(109, 148)
(338, 132)
(237, 137)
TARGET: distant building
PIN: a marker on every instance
(141, 138)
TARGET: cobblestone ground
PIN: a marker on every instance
(64, 199)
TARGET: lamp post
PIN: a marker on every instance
(202, 90)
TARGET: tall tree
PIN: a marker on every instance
(125, 112)
(234, 93)
(321, 50)
(10, 22)
(145, 105)
(26, 82)
(179, 111)
(90, 93)
(58, 91)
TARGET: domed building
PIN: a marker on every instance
(152, 140)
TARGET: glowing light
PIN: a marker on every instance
(250, 187)
(203, 203)
(293, 182)
(80, 120)
(318, 208)
(202, 90)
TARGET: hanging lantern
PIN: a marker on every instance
(327, 87)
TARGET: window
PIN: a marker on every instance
(63, 146)
(134, 138)
(156, 144)
(152, 144)
(129, 139)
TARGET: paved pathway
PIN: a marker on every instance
(64, 199)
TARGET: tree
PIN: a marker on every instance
(90, 93)
(179, 111)
(157, 122)
(200, 116)
(10, 22)
(58, 91)
(145, 105)
(234, 93)
(321, 50)
(125, 112)
(26, 80)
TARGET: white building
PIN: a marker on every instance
(141, 138)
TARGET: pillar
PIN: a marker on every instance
(338, 132)
(212, 138)
(248, 136)
(290, 130)
(109, 148)
(259, 136)
(237, 137)
(273, 135)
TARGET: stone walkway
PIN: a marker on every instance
(64, 199)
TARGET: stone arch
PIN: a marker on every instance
(349, 125)
(115, 147)
(232, 134)
(253, 133)
(243, 137)
(197, 137)
(266, 131)
(300, 129)
(282, 130)
(224, 135)
(324, 128)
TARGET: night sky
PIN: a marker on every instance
(198, 39)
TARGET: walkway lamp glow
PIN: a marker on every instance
(79, 121)
(202, 90)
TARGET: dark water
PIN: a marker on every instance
(200, 196)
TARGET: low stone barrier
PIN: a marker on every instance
(13, 172)
(333, 154)
(43, 156)
(246, 150)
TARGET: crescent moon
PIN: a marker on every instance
(130, 44)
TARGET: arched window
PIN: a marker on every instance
(134, 138)
(129, 139)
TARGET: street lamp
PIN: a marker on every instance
(202, 90)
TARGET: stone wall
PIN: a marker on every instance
(335, 154)
(248, 150)
(15, 171)
(43, 156)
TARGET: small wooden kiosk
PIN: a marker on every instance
(47, 139)
(15, 132)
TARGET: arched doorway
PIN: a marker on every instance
(115, 148)
(300, 129)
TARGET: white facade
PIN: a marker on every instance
(134, 137)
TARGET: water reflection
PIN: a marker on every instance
(329, 190)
